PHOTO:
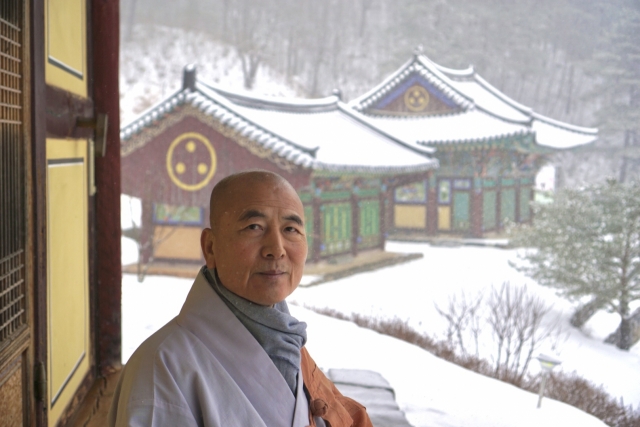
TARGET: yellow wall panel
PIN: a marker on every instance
(444, 218)
(66, 45)
(67, 270)
(178, 242)
(410, 216)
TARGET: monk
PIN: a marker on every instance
(235, 356)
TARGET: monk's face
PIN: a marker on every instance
(257, 241)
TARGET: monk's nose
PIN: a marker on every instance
(273, 246)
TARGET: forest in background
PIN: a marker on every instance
(573, 60)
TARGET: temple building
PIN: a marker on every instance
(489, 147)
(345, 169)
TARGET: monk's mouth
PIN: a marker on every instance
(272, 273)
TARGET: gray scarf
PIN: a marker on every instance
(280, 334)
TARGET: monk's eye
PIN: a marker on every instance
(254, 227)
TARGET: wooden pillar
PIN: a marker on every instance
(517, 201)
(384, 212)
(499, 203)
(317, 228)
(355, 224)
(105, 24)
(432, 205)
(147, 230)
(38, 115)
(532, 198)
(477, 211)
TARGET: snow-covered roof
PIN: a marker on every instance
(322, 134)
(482, 112)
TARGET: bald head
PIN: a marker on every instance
(257, 242)
(234, 184)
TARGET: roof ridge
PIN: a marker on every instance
(465, 72)
(356, 115)
(327, 103)
(423, 69)
(223, 102)
(564, 125)
(158, 109)
(356, 101)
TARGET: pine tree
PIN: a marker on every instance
(587, 244)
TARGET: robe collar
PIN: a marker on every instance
(206, 316)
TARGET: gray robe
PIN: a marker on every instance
(204, 368)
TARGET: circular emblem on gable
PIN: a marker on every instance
(416, 98)
(191, 161)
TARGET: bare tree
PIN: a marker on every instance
(515, 318)
(512, 316)
(462, 314)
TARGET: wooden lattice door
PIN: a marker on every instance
(15, 329)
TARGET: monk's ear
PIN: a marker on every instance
(206, 243)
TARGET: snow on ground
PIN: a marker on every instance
(431, 391)
(410, 292)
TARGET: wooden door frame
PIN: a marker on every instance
(104, 209)
(38, 197)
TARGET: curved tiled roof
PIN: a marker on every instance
(486, 113)
(322, 134)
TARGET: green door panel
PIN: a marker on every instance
(489, 210)
(461, 202)
(336, 228)
(507, 205)
(369, 223)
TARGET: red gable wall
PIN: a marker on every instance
(145, 172)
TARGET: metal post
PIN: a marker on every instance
(542, 385)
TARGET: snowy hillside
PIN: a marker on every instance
(151, 66)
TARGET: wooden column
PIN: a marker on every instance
(317, 228)
(517, 201)
(39, 196)
(477, 211)
(147, 230)
(499, 203)
(384, 208)
(105, 23)
(432, 205)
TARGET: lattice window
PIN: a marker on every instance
(12, 171)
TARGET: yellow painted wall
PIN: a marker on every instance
(67, 272)
(444, 218)
(178, 242)
(410, 216)
(66, 45)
